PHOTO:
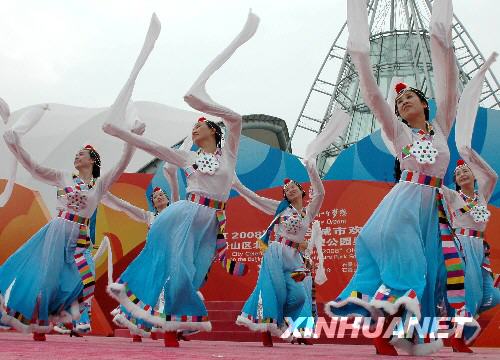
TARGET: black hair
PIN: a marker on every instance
(218, 132)
(94, 155)
(457, 187)
(397, 170)
(299, 186)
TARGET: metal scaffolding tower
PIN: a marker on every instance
(400, 46)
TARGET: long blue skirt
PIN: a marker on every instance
(175, 260)
(276, 295)
(399, 261)
(40, 284)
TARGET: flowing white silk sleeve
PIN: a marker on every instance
(468, 105)
(121, 113)
(485, 175)
(132, 211)
(104, 182)
(444, 64)
(47, 175)
(198, 98)
(317, 241)
(466, 118)
(4, 111)
(116, 125)
(126, 93)
(358, 47)
(318, 190)
(170, 171)
(264, 204)
(334, 128)
(25, 123)
(165, 153)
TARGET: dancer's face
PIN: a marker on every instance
(83, 160)
(292, 192)
(160, 200)
(201, 132)
(410, 106)
(464, 177)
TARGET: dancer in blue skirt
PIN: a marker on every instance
(160, 201)
(469, 214)
(401, 250)
(284, 287)
(48, 280)
(121, 317)
(184, 239)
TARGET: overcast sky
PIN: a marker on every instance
(79, 52)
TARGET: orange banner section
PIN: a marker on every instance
(20, 218)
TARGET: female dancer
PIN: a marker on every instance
(48, 280)
(184, 238)
(32, 297)
(400, 249)
(160, 201)
(469, 214)
(284, 289)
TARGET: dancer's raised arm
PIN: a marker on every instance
(466, 119)
(198, 98)
(358, 47)
(47, 175)
(4, 111)
(444, 64)
(134, 212)
(318, 190)
(174, 156)
(264, 204)
(116, 124)
(170, 171)
(334, 129)
(105, 181)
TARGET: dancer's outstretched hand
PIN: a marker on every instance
(4, 111)
(110, 129)
(11, 137)
(139, 127)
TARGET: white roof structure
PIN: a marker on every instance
(64, 129)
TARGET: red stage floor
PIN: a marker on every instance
(20, 346)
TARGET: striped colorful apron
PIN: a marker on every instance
(455, 288)
(82, 243)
